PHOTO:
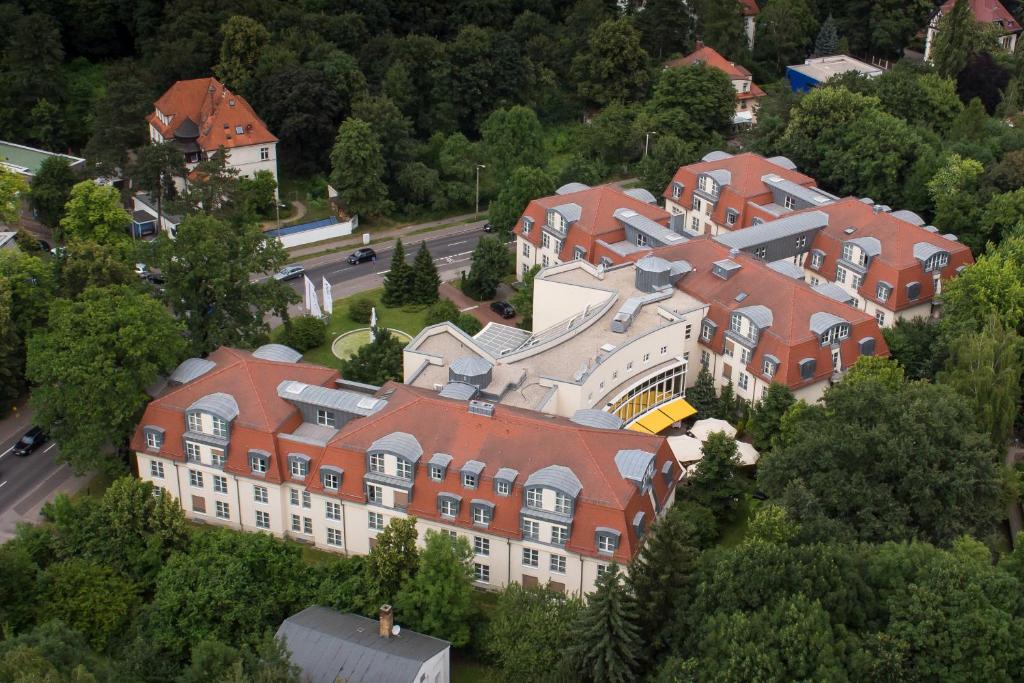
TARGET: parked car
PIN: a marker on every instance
(488, 227)
(504, 309)
(142, 270)
(361, 255)
(289, 272)
(33, 439)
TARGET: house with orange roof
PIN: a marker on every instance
(750, 12)
(989, 12)
(200, 116)
(262, 442)
(748, 93)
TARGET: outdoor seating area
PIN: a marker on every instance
(688, 447)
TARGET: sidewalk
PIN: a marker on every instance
(481, 310)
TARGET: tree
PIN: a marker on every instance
(717, 484)
(207, 269)
(914, 345)
(27, 286)
(258, 194)
(398, 281)
(766, 416)
(608, 642)
(244, 40)
(51, 189)
(118, 117)
(18, 602)
(91, 366)
(12, 189)
(785, 32)
(720, 23)
(89, 597)
(522, 300)
(94, 212)
(959, 36)
(702, 394)
(358, 169)
(613, 66)
(880, 458)
(665, 26)
(611, 137)
(212, 187)
(954, 191)
(524, 185)
(985, 368)
(394, 559)
(512, 138)
(667, 154)
(444, 310)
(378, 362)
(154, 169)
(827, 42)
(304, 333)
(438, 600)
(994, 285)
(91, 264)
(491, 262)
(468, 324)
(527, 636)
(725, 408)
(984, 78)
(702, 94)
(424, 279)
(1004, 215)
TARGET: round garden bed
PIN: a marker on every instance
(346, 345)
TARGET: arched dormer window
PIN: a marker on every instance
(212, 415)
(552, 489)
(831, 329)
(394, 455)
(748, 322)
(930, 256)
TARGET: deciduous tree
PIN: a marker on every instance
(522, 300)
(394, 559)
(766, 415)
(358, 169)
(785, 32)
(959, 36)
(613, 66)
(527, 633)
(511, 138)
(13, 189)
(240, 50)
(438, 600)
(524, 185)
(51, 189)
(94, 212)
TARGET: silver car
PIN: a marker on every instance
(289, 272)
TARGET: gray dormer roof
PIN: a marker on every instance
(458, 390)
(869, 245)
(556, 477)
(930, 228)
(653, 264)
(787, 268)
(717, 155)
(759, 315)
(570, 212)
(784, 162)
(277, 352)
(925, 250)
(908, 216)
(885, 285)
(336, 399)
(787, 226)
(774, 360)
(472, 467)
(591, 417)
(440, 459)
(642, 195)
(822, 322)
(190, 369)
(219, 404)
(833, 291)
(399, 443)
(569, 188)
(720, 176)
(632, 464)
(506, 474)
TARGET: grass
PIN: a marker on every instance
(734, 532)
(409, 319)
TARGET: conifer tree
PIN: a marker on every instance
(827, 42)
(727, 405)
(397, 282)
(424, 277)
(702, 394)
(766, 417)
(608, 639)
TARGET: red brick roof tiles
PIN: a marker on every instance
(987, 12)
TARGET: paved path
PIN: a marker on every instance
(481, 310)
(300, 211)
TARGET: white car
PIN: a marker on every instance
(142, 270)
(289, 272)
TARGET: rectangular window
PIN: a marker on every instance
(449, 508)
(262, 519)
(264, 153)
(481, 573)
(545, 261)
(217, 457)
(768, 369)
(436, 473)
(563, 504)
(403, 469)
(695, 204)
(527, 224)
(706, 332)
(788, 202)
(526, 249)
(731, 216)
(647, 357)
(195, 422)
(677, 190)
(293, 495)
(744, 381)
(882, 293)
(156, 469)
(559, 535)
(333, 536)
(481, 515)
(687, 331)
(816, 259)
(325, 418)
(502, 487)
(533, 498)
(220, 427)
(695, 224)
(545, 240)
(815, 281)
(259, 494)
(192, 452)
(469, 480)
(606, 544)
(223, 510)
(880, 317)
(257, 464)
(374, 494)
(451, 534)
(375, 521)
(377, 462)
(195, 478)
(558, 564)
(331, 481)
(601, 569)
(152, 440)
(296, 523)
(332, 510)
(857, 280)
(558, 246)
(531, 530)
(801, 242)
(641, 239)
(744, 355)
(531, 558)
(481, 545)
(307, 525)
(306, 502)
(705, 358)
(220, 484)
(299, 468)
(664, 350)
(841, 274)
(848, 252)
(836, 362)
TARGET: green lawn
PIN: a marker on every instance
(410, 319)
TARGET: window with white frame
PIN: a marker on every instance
(195, 478)
(706, 332)
(936, 261)
(695, 205)
(469, 480)
(296, 523)
(545, 241)
(835, 334)
(557, 564)
(257, 464)
(744, 380)
(705, 358)
(262, 519)
(293, 495)
(731, 216)
(220, 426)
(531, 557)
(880, 317)
(764, 392)
(157, 491)
(788, 201)
(299, 467)
(502, 487)
(606, 543)
(449, 507)
(816, 259)
(192, 452)
(694, 224)
(534, 499)
(481, 515)
(602, 569)
(156, 469)
(531, 530)
(403, 469)
(857, 280)
(481, 546)
(801, 241)
(377, 462)
(331, 481)
(264, 153)
(563, 503)
(481, 573)
(333, 536)
(450, 533)
(768, 368)
(325, 418)
(744, 355)
(220, 484)
(641, 239)
(259, 494)
(375, 521)
(374, 494)
(559, 534)
(306, 499)
(526, 249)
(332, 510)
(558, 246)
(527, 224)
(436, 472)
(882, 293)
(545, 261)
(217, 457)
(152, 440)
(663, 350)
(223, 510)
(677, 190)
(195, 422)
(841, 274)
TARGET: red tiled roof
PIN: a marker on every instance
(708, 55)
(988, 12)
(216, 111)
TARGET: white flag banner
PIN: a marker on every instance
(307, 299)
(328, 297)
(314, 304)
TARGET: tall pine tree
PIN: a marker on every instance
(827, 42)
(608, 642)
(425, 279)
(702, 395)
(398, 280)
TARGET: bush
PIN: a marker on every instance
(444, 310)
(360, 311)
(468, 324)
(305, 333)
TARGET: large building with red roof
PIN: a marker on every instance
(200, 116)
(989, 12)
(748, 93)
(262, 442)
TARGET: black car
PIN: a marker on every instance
(33, 439)
(362, 255)
(488, 227)
(504, 309)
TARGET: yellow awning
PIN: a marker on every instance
(655, 421)
(637, 427)
(678, 409)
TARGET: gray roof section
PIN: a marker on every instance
(473, 467)
(648, 227)
(812, 196)
(784, 162)
(571, 211)
(557, 477)
(821, 322)
(833, 291)
(641, 194)
(870, 245)
(623, 248)
(470, 365)
(506, 474)
(498, 340)
(772, 359)
(930, 228)
(591, 417)
(440, 459)
(717, 155)
(908, 216)
(759, 315)
(278, 352)
(220, 404)
(337, 399)
(569, 188)
(190, 369)
(329, 646)
(720, 176)
(458, 390)
(787, 268)
(951, 237)
(925, 250)
(787, 226)
(633, 463)
(399, 443)
(653, 264)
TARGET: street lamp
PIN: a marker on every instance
(647, 140)
(478, 167)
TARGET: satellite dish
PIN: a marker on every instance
(396, 629)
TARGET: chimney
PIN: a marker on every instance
(387, 621)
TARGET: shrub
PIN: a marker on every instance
(443, 310)
(360, 310)
(305, 333)
(468, 324)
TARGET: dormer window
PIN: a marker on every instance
(882, 291)
(330, 477)
(325, 418)
(152, 440)
(534, 499)
(471, 473)
(469, 480)
(298, 466)
(527, 224)
(195, 422)
(937, 261)
(817, 258)
(502, 488)
(787, 201)
(220, 426)
(259, 461)
(677, 190)
(563, 504)
(436, 473)
(835, 334)
(731, 216)
(483, 511)
(377, 462)
(607, 540)
(403, 469)
(154, 437)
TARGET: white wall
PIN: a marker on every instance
(317, 234)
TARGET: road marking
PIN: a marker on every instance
(3, 484)
(50, 447)
(7, 451)
(452, 244)
(463, 310)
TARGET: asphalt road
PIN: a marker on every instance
(21, 476)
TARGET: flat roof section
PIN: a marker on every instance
(28, 160)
